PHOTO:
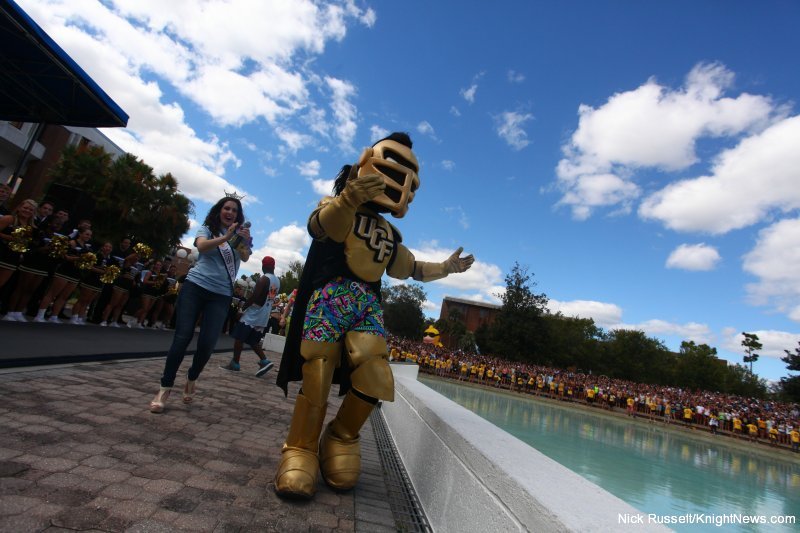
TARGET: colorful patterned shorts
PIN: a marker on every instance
(341, 306)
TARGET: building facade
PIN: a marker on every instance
(28, 151)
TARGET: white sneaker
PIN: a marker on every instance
(114, 325)
(9, 317)
(54, 319)
(39, 319)
(75, 320)
(103, 324)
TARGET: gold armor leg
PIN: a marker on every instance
(340, 450)
(297, 473)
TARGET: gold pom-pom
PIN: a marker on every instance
(159, 281)
(110, 274)
(58, 246)
(21, 239)
(87, 260)
(143, 250)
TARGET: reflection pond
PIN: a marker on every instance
(653, 469)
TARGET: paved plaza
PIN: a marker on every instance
(79, 450)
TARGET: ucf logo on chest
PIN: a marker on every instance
(377, 238)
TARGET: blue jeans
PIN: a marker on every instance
(192, 301)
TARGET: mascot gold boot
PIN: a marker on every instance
(336, 333)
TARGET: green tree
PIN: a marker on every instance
(790, 385)
(452, 328)
(572, 342)
(632, 355)
(518, 332)
(751, 344)
(699, 368)
(129, 199)
(402, 310)
(742, 382)
(290, 279)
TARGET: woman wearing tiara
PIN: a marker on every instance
(206, 292)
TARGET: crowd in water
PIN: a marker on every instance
(752, 419)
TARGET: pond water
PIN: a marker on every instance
(654, 470)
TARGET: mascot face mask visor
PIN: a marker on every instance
(398, 166)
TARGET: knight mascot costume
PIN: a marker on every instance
(336, 333)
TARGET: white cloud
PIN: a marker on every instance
(286, 244)
(458, 212)
(425, 128)
(653, 126)
(376, 133)
(693, 257)
(309, 168)
(293, 140)
(691, 331)
(515, 77)
(217, 54)
(468, 94)
(344, 111)
(509, 128)
(454, 111)
(604, 314)
(481, 277)
(774, 261)
(590, 191)
(323, 187)
(774, 342)
(448, 165)
(747, 183)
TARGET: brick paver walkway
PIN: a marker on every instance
(79, 450)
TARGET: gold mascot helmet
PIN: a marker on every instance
(399, 167)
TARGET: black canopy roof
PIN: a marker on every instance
(39, 82)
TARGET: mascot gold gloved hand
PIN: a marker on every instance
(337, 333)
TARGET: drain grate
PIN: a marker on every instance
(406, 507)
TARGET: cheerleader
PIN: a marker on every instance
(13, 243)
(165, 305)
(122, 289)
(150, 290)
(66, 278)
(36, 265)
(91, 285)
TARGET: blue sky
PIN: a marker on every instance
(640, 158)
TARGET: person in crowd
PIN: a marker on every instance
(252, 325)
(150, 291)
(91, 285)
(5, 194)
(235, 309)
(286, 314)
(165, 305)
(43, 210)
(82, 224)
(67, 276)
(62, 215)
(206, 292)
(153, 318)
(35, 268)
(122, 286)
(10, 253)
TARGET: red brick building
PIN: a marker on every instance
(473, 313)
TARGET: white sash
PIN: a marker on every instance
(226, 252)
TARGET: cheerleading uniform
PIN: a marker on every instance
(68, 270)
